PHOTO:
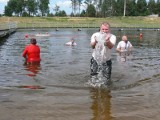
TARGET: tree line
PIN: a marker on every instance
(93, 8)
(26, 8)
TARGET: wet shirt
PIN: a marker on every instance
(32, 53)
(71, 44)
(102, 53)
(124, 46)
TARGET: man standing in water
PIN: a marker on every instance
(102, 42)
(124, 48)
(32, 52)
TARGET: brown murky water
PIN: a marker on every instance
(57, 90)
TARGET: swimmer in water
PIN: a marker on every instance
(71, 43)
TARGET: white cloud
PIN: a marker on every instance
(2, 4)
(64, 5)
(4, 1)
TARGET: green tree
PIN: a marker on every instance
(16, 7)
(19, 7)
(74, 6)
(131, 9)
(43, 7)
(8, 11)
(152, 7)
(112, 7)
(83, 13)
(91, 11)
(106, 8)
(142, 8)
(97, 4)
(62, 13)
(158, 7)
(32, 7)
(119, 8)
(79, 5)
(22, 7)
(56, 9)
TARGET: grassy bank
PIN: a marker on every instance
(76, 22)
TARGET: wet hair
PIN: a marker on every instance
(33, 41)
(105, 24)
(124, 37)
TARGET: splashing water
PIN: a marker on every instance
(99, 79)
(99, 49)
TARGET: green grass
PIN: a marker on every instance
(78, 22)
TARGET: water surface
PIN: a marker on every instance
(57, 88)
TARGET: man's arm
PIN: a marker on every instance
(93, 43)
(107, 42)
(118, 50)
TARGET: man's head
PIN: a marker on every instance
(124, 38)
(33, 41)
(105, 27)
(72, 40)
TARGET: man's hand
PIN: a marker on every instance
(108, 37)
(107, 41)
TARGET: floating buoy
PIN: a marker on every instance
(156, 29)
(26, 35)
(140, 35)
(120, 29)
(139, 29)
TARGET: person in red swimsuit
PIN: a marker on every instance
(32, 52)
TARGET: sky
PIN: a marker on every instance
(2, 4)
(64, 5)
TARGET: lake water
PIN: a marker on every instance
(57, 89)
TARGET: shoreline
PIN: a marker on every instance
(84, 22)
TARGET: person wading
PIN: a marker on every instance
(32, 52)
(102, 42)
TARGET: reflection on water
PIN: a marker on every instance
(34, 68)
(57, 86)
(101, 104)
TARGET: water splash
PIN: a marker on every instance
(98, 80)
(99, 49)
